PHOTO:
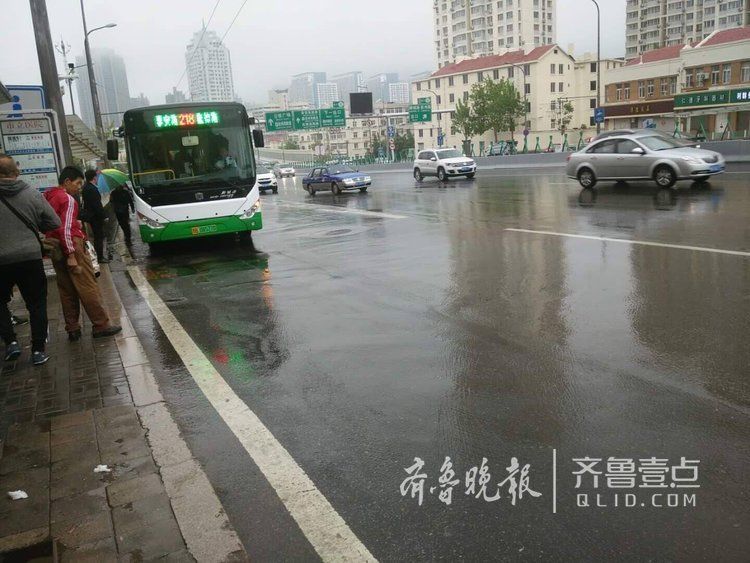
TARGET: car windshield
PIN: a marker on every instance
(340, 169)
(659, 143)
(263, 170)
(283, 166)
(449, 153)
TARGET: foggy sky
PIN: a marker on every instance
(271, 39)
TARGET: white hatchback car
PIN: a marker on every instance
(443, 163)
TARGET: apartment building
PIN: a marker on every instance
(547, 77)
(703, 87)
(652, 24)
(477, 28)
(327, 93)
(209, 68)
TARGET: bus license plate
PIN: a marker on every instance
(204, 229)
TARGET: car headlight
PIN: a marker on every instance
(368, 179)
(348, 181)
(149, 222)
(254, 208)
(692, 160)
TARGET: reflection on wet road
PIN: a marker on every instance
(410, 322)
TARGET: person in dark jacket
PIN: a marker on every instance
(122, 202)
(93, 213)
(23, 214)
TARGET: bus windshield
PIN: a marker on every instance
(185, 156)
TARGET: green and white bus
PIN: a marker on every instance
(193, 170)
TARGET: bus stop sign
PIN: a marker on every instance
(599, 115)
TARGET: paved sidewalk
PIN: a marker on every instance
(57, 423)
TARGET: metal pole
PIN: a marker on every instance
(598, 63)
(92, 81)
(50, 79)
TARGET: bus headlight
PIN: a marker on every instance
(254, 208)
(142, 219)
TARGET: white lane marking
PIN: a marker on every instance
(638, 242)
(326, 208)
(322, 525)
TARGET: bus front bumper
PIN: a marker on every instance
(201, 227)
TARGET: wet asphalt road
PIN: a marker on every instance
(407, 322)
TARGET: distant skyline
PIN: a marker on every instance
(151, 38)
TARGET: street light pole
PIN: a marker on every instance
(90, 70)
(598, 63)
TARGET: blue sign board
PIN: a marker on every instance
(391, 130)
(599, 115)
(440, 139)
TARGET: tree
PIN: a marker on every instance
(564, 115)
(462, 120)
(497, 106)
(290, 145)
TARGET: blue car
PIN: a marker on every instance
(337, 178)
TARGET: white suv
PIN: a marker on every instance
(443, 163)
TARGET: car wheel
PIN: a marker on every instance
(311, 190)
(586, 178)
(418, 175)
(335, 189)
(470, 176)
(442, 176)
(362, 190)
(664, 176)
(275, 190)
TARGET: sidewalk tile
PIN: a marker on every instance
(123, 492)
(102, 551)
(143, 513)
(160, 539)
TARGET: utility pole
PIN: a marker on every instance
(598, 62)
(92, 80)
(48, 69)
(64, 49)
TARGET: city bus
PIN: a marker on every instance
(193, 170)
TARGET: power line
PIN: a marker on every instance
(205, 27)
(233, 20)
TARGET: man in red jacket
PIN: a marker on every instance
(75, 273)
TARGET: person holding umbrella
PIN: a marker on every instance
(120, 202)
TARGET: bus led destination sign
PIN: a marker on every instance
(165, 120)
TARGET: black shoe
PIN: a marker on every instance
(18, 320)
(74, 336)
(12, 351)
(38, 358)
(109, 331)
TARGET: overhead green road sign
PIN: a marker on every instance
(307, 119)
(338, 104)
(279, 121)
(420, 113)
(424, 101)
(333, 117)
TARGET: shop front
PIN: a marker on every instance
(641, 115)
(715, 114)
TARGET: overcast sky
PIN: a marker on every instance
(271, 39)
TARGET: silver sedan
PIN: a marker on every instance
(642, 157)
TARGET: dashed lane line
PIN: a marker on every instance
(324, 528)
(635, 242)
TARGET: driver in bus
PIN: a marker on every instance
(226, 161)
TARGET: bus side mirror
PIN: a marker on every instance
(258, 139)
(113, 149)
